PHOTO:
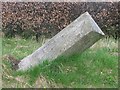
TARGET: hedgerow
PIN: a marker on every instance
(28, 19)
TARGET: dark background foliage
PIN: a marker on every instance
(28, 19)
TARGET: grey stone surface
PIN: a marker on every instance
(75, 38)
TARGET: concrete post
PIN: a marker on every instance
(75, 38)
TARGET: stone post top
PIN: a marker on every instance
(93, 23)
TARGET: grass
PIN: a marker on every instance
(0, 63)
(96, 67)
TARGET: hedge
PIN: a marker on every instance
(28, 19)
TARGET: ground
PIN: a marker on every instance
(96, 67)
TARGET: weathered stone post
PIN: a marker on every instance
(75, 38)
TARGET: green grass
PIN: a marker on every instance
(19, 47)
(96, 67)
(0, 63)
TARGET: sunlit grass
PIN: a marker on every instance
(96, 67)
(19, 47)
